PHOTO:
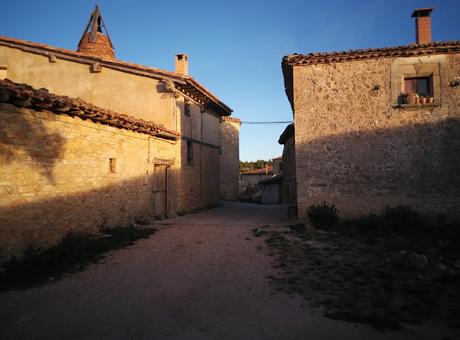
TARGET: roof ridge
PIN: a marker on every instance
(402, 50)
(16, 41)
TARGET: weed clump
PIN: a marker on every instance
(75, 252)
(323, 216)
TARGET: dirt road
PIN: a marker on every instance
(202, 276)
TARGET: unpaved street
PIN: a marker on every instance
(202, 276)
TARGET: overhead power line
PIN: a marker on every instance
(264, 123)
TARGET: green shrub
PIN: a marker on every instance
(366, 225)
(402, 219)
(323, 215)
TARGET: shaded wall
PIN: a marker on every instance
(199, 179)
(356, 149)
(271, 193)
(289, 185)
(229, 159)
(252, 179)
(56, 177)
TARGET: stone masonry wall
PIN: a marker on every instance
(355, 149)
(289, 172)
(55, 177)
(198, 180)
(108, 88)
(229, 159)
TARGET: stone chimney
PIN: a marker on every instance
(422, 25)
(182, 64)
(94, 42)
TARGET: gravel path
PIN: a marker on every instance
(202, 276)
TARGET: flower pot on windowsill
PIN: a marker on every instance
(422, 100)
(412, 99)
(430, 100)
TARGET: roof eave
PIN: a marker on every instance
(288, 75)
(412, 50)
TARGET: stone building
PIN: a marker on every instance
(378, 127)
(289, 189)
(89, 142)
(271, 190)
(230, 157)
(277, 165)
(252, 177)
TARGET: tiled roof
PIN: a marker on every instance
(25, 96)
(183, 83)
(231, 119)
(288, 132)
(412, 50)
(272, 180)
(263, 171)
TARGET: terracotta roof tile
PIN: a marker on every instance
(25, 96)
(231, 119)
(369, 53)
(263, 171)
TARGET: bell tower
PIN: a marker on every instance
(95, 40)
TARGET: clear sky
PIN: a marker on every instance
(235, 47)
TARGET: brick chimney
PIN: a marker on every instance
(422, 25)
(95, 40)
(182, 64)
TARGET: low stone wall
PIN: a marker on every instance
(60, 174)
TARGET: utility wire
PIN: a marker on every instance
(264, 123)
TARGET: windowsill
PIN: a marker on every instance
(415, 106)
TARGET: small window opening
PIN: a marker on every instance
(417, 90)
(99, 24)
(187, 108)
(189, 152)
(421, 86)
(112, 165)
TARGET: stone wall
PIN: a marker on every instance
(289, 172)
(56, 177)
(199, 179)
(355, 148)
(108, 88)
(230, 158)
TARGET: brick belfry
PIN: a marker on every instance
(95, 40)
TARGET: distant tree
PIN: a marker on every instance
(259, 164)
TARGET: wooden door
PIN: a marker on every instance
(160, 190)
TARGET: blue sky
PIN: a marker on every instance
(235, 47)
